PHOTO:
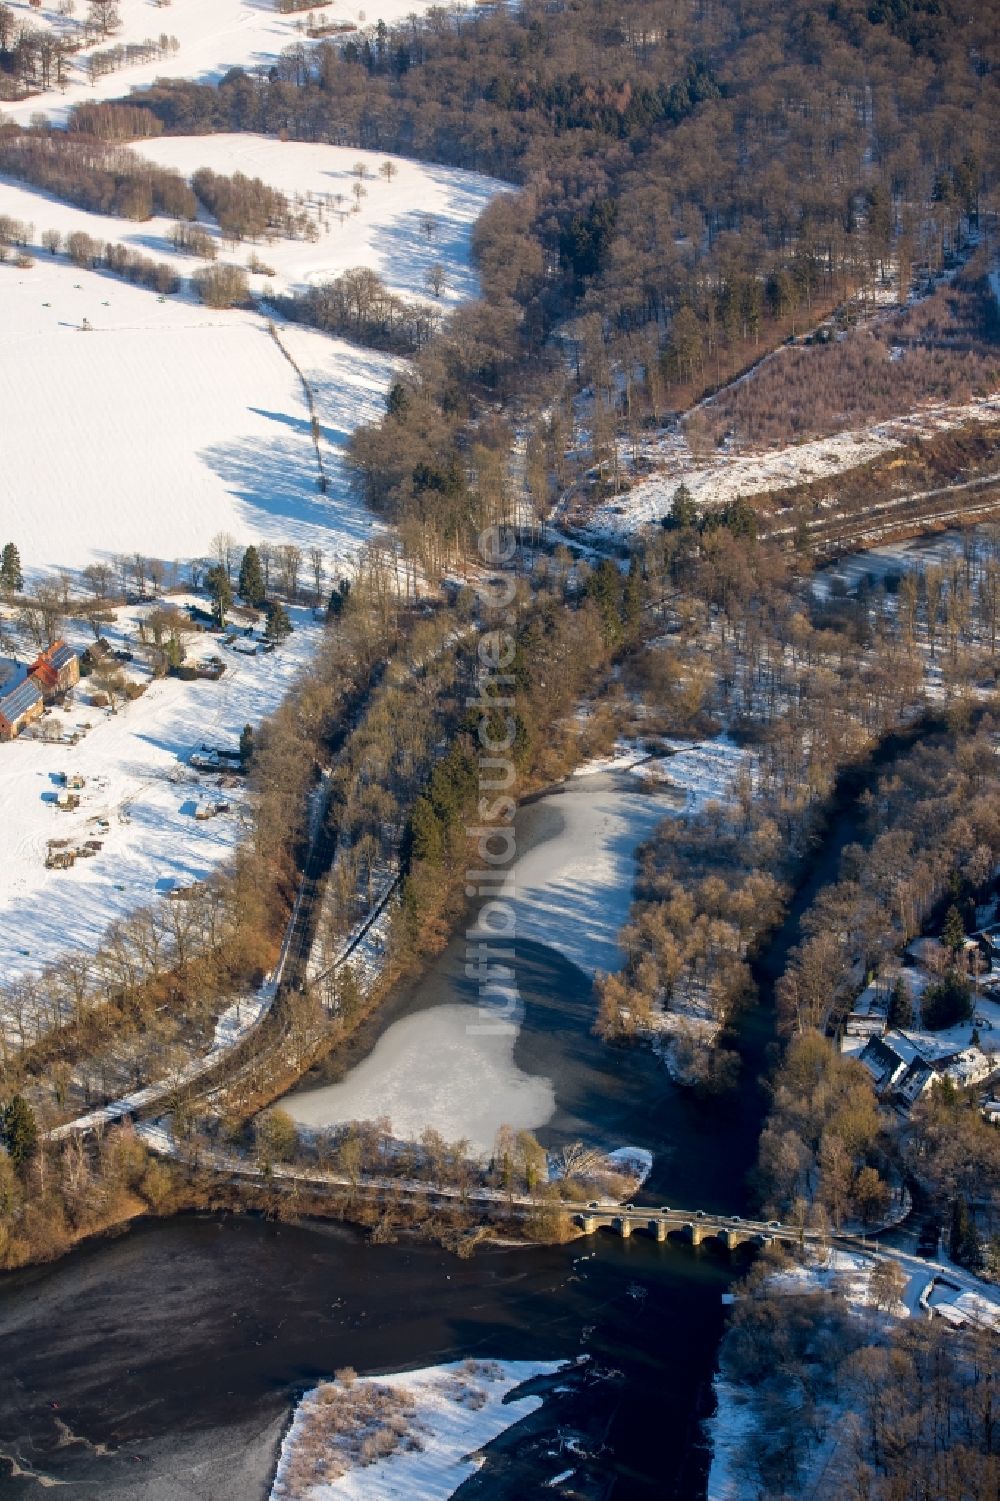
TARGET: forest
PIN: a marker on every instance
(699, 181)
(868, 1407)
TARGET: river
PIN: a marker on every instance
(164, 1364)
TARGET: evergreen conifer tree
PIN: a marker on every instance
(251, 581)
(221, 590)
(953, 932)
(19, 1130)
(278, 624)
(11, 577)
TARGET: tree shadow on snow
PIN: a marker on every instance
(277, 482)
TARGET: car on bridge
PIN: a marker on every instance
(665, 1209)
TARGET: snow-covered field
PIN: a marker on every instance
(387, 234)
(213, 36)
(166, 425)
(402, 226)
(726, 477)
(453, 1412)
(167, 422)
(137, 779)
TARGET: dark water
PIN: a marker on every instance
(178, 1347)
(606, 1096)
(164, 1364)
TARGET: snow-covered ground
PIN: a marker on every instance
(702, 770)
(452, 1412)
(401, 226)
(726, 477)
(165, 425)
(213, 36)
(136, 777)
(387, 234)
(167, 422)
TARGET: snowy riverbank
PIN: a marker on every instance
(416, 1436)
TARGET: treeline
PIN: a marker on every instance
(52, 1196)
(128, 54)
(704, 898)
(88, 253)
(826, 1152)
(31, 57)
(245, 207)
(357, 305)
(562, 644)
(932, 839)
(113, 122)
(383, 767)
(15, 236)
(222, 286)
(94, 175)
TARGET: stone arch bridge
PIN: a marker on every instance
(694, 1226)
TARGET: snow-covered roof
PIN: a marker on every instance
(970, 1066)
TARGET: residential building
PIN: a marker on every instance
(917, 1079)
(883, 1063)
(970, 1066)
(19, 707)
(869, 1016)
(56, 669)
